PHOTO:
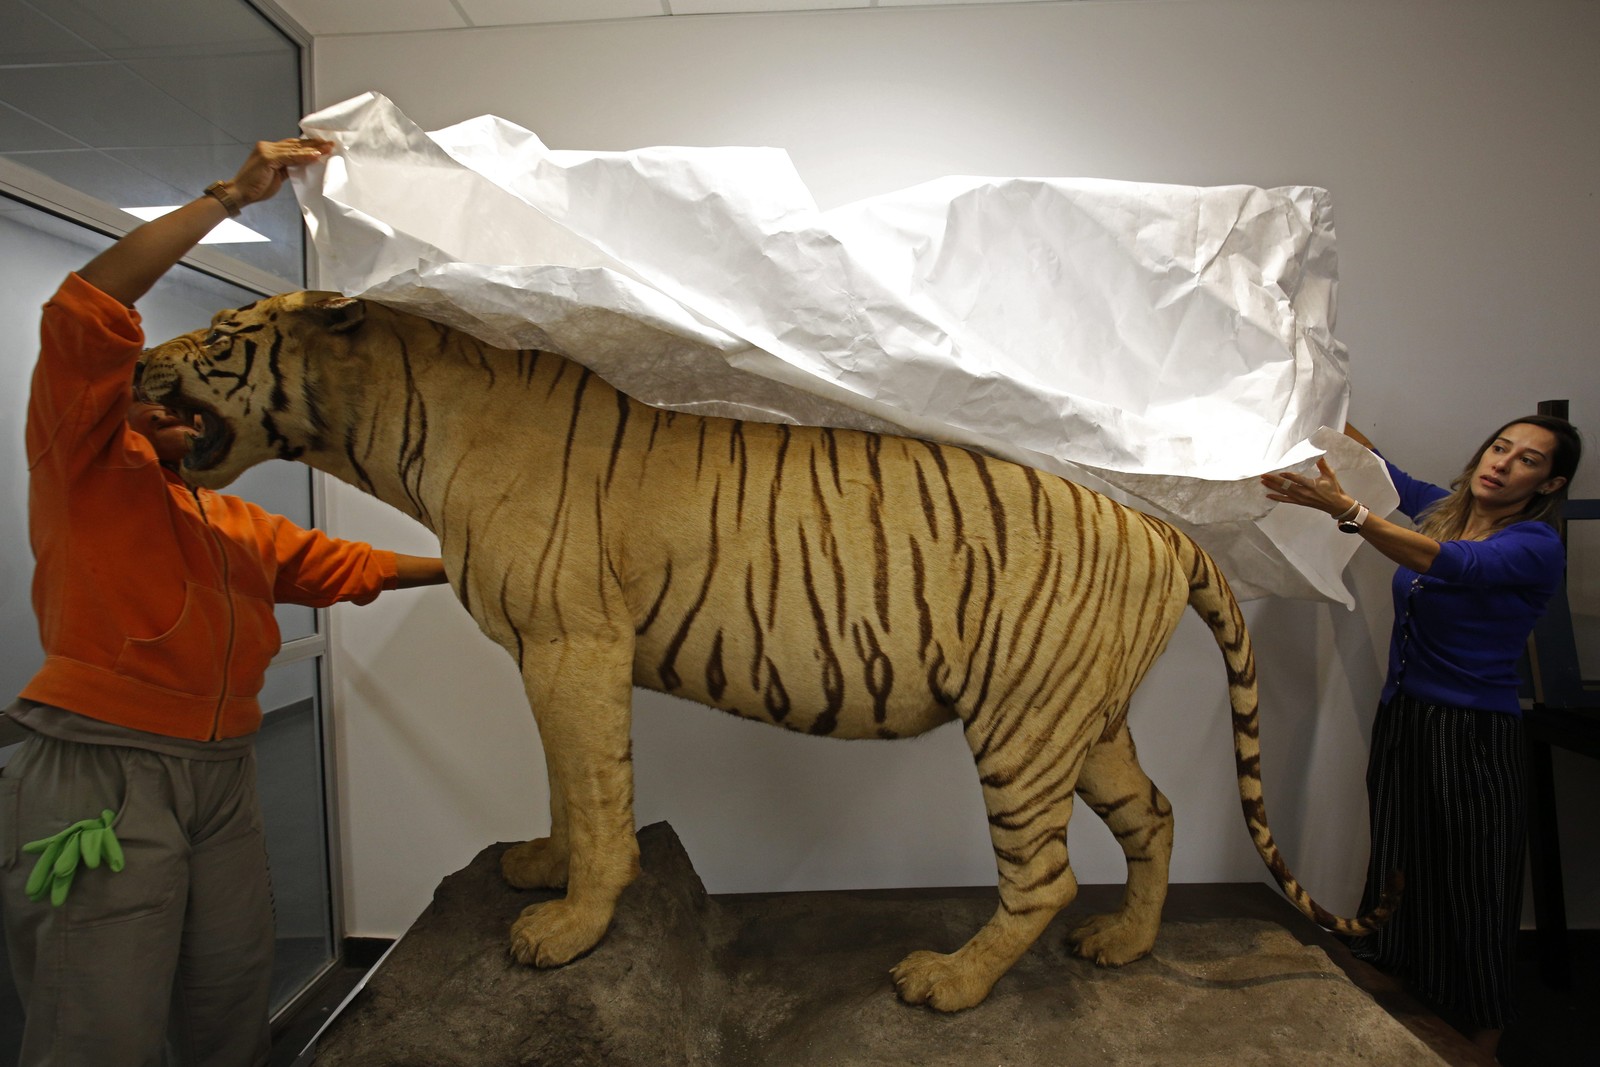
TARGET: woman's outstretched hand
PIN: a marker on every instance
(263, 172)
(1322, 493)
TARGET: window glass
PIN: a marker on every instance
(36, 258)
(289, 761)
(41, 251)
(138, 105)
(144, 105)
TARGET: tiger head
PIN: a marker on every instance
(248, 383)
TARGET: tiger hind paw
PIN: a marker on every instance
(1112, 940)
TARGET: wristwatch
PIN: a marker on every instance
(219, 191)
(1352, 523)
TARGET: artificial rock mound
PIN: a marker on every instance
(801, 979)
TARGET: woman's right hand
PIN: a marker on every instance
(1324, 493)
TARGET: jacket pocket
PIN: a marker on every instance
(189, 657)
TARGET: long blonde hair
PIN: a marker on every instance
(1446, 519)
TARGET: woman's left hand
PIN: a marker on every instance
(1322, 493)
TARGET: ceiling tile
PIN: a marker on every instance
(372, 16)
(144, 114)
(926, 3)
(32, 37)
(205, 85)
(164, 28)
(726, 7)
(19, 133)
(515, 12)
(98, 175)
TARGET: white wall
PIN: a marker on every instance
(1459, 141)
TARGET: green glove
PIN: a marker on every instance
(91, 841)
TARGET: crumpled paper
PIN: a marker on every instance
(1164, 344)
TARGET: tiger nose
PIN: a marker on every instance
(152, 380)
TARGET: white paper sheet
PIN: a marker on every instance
(1166, 344)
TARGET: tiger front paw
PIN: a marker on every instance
(556, 932)
(1112, 940)
(536, 864)
(940, 981)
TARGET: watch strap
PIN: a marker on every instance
(219, 191)
(1354, 523)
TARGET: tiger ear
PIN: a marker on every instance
(339, 314)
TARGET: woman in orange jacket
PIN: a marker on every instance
(154, 602)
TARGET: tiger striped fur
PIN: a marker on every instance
(831, 582)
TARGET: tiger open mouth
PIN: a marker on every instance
(214, 436)
(210, 446)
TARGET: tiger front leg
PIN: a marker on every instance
(1117, 789)
(581, 695)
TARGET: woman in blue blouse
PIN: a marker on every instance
(1444, 777)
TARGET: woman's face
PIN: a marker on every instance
(1514, 467)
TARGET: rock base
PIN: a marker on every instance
(801, 979)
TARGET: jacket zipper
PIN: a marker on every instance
(227, 592)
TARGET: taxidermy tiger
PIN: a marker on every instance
(833, 582)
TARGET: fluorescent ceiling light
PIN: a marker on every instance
(227, 232)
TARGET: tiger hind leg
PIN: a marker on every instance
(1116, 788)
(1028, 814)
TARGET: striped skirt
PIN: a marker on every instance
(1445, 791)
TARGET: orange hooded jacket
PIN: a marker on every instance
(154, 599)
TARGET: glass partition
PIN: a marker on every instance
(289, 759)
(106, 105)
(144, 105)
(40, 250)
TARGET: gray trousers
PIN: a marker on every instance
(181, 936)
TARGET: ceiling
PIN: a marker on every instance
(324, 17)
